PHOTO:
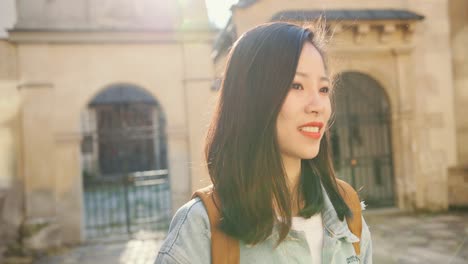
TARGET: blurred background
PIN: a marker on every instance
(104, 106)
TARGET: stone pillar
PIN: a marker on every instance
(200, 104)
(39, 166)
(9, 106)
(458, 184)
(69, 187)
(421, 176)
(198, 77)
(11, 194)
(458, 175)
(403, 131)
(178, 159)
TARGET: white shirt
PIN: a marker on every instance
(313, 229)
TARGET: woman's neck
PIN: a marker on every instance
(292, 167)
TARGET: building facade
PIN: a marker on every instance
(73, 71)
(95, 92)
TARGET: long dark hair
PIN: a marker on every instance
(243, 157)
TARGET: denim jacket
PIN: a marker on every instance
(189, 236)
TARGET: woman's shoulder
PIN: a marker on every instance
(189, 225)
(193, 210)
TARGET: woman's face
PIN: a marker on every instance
(303, 117)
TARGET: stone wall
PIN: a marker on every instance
(11, 184)
(65, 53)
(458, 186)
(115, 14)
(174, 67)
(11, 219)
(459, 36)
(458, 174)
(111, 15)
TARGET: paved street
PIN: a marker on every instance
(426, 238)
(136, 251)
(397, 238)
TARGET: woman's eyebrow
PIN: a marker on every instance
(302, 74)
(322, 78)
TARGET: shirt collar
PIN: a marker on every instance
(333, 224)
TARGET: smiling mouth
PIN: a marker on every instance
(311, 130)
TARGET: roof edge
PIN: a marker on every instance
(348, 14)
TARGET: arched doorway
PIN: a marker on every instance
(361, 138)
(124, 164)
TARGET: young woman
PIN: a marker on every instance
(268, 157)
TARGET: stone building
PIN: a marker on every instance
(118, 94)
(72, 71)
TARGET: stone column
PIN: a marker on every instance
(458, 174)
(421, 176)
(198, 78)
(39, 166)
(69, 187)
(403, 131)
(11, 194)
(178, 159)
(9, 106)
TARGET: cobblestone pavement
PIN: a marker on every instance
(135, 251)
(397, 238)
(423, 238)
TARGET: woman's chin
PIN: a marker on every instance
(310, 155)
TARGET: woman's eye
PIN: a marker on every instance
(297, 86)
(324, 90)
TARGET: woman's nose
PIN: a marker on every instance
(315, 103)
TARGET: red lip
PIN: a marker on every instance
(317, 124)
(314, 135)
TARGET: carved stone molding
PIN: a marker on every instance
(99, 36)
(372, 34)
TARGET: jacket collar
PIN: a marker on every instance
(333, 224)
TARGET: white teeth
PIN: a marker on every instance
(310, 129)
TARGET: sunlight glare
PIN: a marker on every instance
(219, 11)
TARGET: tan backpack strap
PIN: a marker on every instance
(352, 200)
(224, 249)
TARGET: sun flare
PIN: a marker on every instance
(218, 11)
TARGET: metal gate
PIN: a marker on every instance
(124, 160)
(361, 138)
